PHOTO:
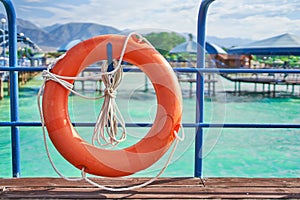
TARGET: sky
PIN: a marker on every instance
(249, 19)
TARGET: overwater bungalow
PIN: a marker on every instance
(242, 57)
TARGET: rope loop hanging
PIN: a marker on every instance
(106, 128)
(100, 161)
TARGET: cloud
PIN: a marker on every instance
(253, 19)
(134, 14)
(34, 1)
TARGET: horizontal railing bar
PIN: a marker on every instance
(25, 69)
(191, 70)
(204, 125)
(186, 125)
(225, 70)
(213, 70)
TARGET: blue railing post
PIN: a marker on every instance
(200, 85)
(14, 90)
(109, 56)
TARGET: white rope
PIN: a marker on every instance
(106, 128)
(47, 75)
(177, 139)
(45, 138)
(109, 116)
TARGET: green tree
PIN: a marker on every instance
(164, 41)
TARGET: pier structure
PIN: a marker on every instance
(210, 82)
(24, 59)
(268, 82)
(269, 50)
(92, 83)
(183, 78)
(23, 78)
(210, 79)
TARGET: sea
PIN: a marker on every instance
(227, 152)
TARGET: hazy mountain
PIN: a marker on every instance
(37, 34)
(52, 27)
(26, 24)
(228, 42)
(56, 35)
(73, 31)
(59, 34)
(222, 42)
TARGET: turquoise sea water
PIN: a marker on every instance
(226, 152)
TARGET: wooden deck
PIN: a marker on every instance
(170, 188)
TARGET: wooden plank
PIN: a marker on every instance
(252, 182)
(43, 188)
(58, 182)
(150, 193)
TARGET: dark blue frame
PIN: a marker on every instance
(14, 90)
(200, 70)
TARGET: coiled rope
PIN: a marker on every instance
(109, 118)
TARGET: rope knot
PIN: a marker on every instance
(48, 76)
(110, 92)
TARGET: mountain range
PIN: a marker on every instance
(59, 34)
(52, 37)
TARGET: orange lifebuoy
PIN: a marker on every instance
(105, 162)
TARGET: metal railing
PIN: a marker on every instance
(199, 125)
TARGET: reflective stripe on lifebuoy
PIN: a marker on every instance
(104, 162)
